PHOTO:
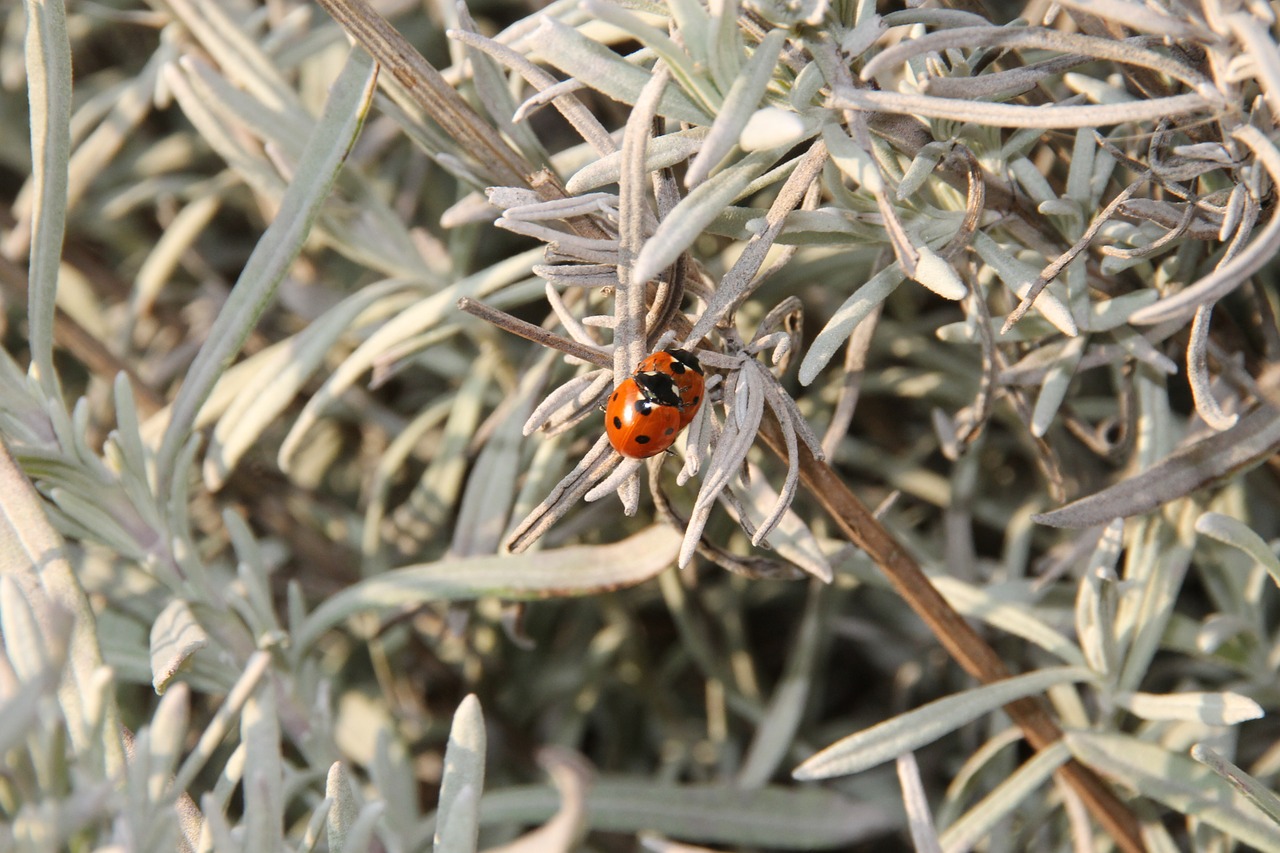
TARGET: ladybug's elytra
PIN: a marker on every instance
(643, 415)
(683, 368)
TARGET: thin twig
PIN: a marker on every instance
(530, 332)
(974, 203)
(1188, 214)
(741, 279)
(1229, 275)
(573, 110)
(1051, 272)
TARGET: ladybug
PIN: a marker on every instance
(683, 368)
(643, 415)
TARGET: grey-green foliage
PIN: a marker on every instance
(1004, 250)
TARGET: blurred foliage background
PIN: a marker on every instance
(310, 537)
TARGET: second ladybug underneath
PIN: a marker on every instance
(683, 368)
(647, 411)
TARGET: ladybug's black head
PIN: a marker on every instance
(686, 358)
(658, 388)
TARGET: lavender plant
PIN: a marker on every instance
(308, 535)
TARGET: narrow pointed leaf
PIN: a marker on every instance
(168, 732)
(573, 571)
(686, 222)
(344, 807)
(981, 820)
(739, 106)
(907, 732)
(463, 780)
(846, 318)
(600, 68)
(48, 59)
(1257, 793)
(1212, 709)
(1234, 532)
(1008, 614)
(775, 817)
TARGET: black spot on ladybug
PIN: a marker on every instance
(669, 431)
(642, 439)
(695, 400)
(617, 422)
(677, 368)
(642, 408)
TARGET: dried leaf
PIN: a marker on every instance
(1205, 463)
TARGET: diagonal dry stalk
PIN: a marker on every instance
(961, 641)
(430, 90)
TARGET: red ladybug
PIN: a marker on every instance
(642, 417)
(683, 368)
